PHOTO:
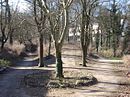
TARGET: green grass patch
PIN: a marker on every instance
(4, 63)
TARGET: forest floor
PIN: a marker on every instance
(111, 76)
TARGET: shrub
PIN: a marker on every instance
(106, 53)
(30, 47)
(109, 53)
(17, 49)
(4, 63)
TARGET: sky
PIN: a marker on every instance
(22, 5)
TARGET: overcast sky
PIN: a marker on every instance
(22, 6)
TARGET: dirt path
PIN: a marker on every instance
(112, 80)
(110, 74)
(10, 84)
(10, 80)
(111, 77)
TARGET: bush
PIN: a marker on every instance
(29, 47)
(4, 63)
(17, 49)
(109, 53)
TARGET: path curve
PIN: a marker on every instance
(111, 77)
(10, 80)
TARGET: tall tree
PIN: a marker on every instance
(116, 25)
(126, 40)
(87, 8)
(40, 19)
(5, 22)
(105, 26)
(58, 19)
(112, 20)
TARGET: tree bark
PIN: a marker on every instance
(101, 38)
(3, 41)
(125, 44)
(114, 45)
(97, 40)
(2, 45)
(49, 49)
(84, 55)
(59, 63)
(11, 38)
(41, 63)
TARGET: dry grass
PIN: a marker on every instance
(17, 48)
(72, 79)
(126, 59)
(109, 53)
(11, 52)
(106, 53)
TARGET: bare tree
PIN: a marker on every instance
(58, 23)
(87, 8)
(40, 19)
(14, 22)
(5, 22)
(112, 19)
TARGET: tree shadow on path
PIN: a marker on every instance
(12, 83)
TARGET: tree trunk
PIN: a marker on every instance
(41, 63)
(3, 42)
(11, 38)
(114, 52)
(97, 41)
(109, 40)
(124, 44)
(114, 45)
(68, 39)
(101, 42)
(84, 55)
(49, 49)
(59, 63)
(2, 45)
